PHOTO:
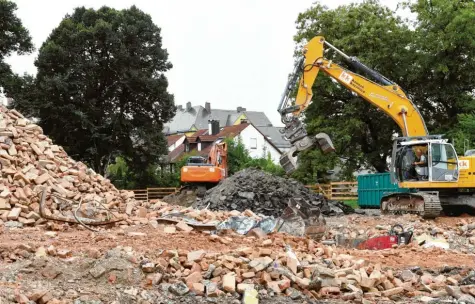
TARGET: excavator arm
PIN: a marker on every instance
(387, 96)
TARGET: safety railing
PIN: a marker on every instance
(153, 193)
(337, 190)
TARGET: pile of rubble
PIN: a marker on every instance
(265, 194)
(261, 267)
(31, 163)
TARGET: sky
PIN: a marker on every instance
(228, 53)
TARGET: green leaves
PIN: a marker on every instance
(433, 62)
(378, 38)
(14, 37)
(101, 91)
(239, 158)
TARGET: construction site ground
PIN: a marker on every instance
(71, 274)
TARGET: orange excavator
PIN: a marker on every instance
(204, 173)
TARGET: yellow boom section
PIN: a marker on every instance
(389, 98)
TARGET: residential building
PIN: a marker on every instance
(173, 141)
(201, 141)
(190, 119)
(274, 135)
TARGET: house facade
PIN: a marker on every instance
(201, 141)
(190, 119)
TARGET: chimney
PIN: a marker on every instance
(180, 107)
(213, 127)
(188, 106)
(208, 107)
(240, 109)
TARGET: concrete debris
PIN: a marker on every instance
(239, 192)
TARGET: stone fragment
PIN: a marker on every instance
(229, 282)
(182, 226)
(14, 214)
(392, 292)
(179, 289)
(196, 256)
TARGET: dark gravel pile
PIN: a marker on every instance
(264, 193)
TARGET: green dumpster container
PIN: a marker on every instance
(372, 187)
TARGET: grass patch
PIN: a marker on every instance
(352, 203)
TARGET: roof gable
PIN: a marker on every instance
(172, 139)
(198, 117)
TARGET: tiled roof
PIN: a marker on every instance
(198, 116)
(175, 154)
(208, 138)
(171, 139)
(273, 135)
(232, 131)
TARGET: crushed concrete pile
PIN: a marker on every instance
(30, 162)
(264, 194)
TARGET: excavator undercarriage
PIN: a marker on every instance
(425, 204)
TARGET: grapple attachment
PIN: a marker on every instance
(301, 218)
(288, 160)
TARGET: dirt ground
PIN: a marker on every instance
(80, 252)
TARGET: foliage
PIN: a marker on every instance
(433, 61)
(14, 38)
(156, 175)
(314, 165)
(239, 158)
(100, 77)
(378, 38)
(238, 155)
(443, 82)
(120, 175)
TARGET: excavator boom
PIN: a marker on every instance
(387, 96)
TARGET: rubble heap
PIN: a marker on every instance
(264, 193)
(30, 162)
(262, 267)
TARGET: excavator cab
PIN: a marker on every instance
(425, 160)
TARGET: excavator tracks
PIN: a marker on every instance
(425, 204)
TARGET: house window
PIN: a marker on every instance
(187, 147)
(199, 146)
(253, 143)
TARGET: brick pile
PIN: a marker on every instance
(310, 269)
(31, 162)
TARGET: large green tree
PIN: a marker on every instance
(373, 33)
(101, 88)
(14, 38)
(442, 80)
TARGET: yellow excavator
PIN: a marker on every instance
(428, 165)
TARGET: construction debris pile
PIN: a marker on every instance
(265, 194)
(228, 267)
(31, 163)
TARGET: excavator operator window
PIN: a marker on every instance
(444, 163)
(412, 163)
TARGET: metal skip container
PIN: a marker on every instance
(372, 187)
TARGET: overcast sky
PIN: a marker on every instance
(230, 53)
